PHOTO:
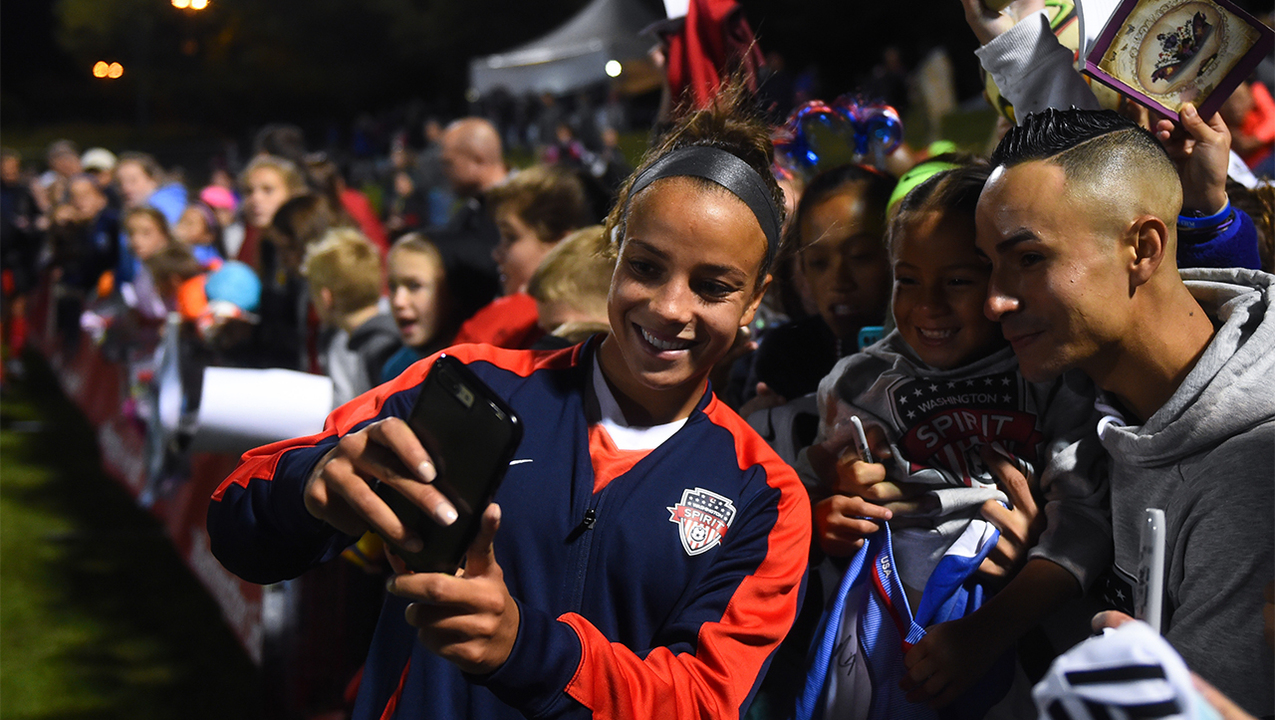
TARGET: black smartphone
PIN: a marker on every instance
(471, 435)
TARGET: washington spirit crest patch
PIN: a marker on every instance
(702, 519)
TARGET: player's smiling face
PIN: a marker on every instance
(685, 282)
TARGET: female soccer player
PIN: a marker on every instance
(651, 551)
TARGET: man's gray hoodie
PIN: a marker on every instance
(1207, 458)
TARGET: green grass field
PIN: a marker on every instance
(99, 618)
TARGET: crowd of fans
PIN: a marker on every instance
(289, 264)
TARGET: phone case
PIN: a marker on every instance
(1148, 596)
(471, 435)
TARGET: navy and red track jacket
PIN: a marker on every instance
(647, 613)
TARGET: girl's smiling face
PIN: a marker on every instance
(685, 282)
(940, 285)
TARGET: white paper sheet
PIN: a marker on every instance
(1093, 15)
(241, 409)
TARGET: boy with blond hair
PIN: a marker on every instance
(570, 286)
(344, 273)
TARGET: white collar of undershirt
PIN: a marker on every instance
(625, 436)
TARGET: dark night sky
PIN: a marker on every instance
(43, 82)
(245, 62)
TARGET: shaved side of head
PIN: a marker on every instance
(1116, 171)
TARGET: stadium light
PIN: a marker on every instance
(103, 69)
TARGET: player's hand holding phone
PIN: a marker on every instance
(434, 509)
(340, 490)
(423, 484)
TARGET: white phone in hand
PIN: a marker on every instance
(861, 439)
(1148, 597)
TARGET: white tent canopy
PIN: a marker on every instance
(575, 55)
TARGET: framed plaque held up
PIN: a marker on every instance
(1164, 53)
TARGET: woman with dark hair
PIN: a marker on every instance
(840, 226)
(285, 337)
(655, 545)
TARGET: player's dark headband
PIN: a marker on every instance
(726, 170)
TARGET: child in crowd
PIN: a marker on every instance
(143, 182)
(225, 207)
(179, 279)
(147, 230)
(840, 223)
(533, 211)
(268, 183)
(98, 236)
(199, 230)
(288, 332)
(420, 302)
(148, 234)
(944, 390)
(570, 288)
(344, 274)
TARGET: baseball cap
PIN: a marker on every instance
(218, 197)
(98, 159)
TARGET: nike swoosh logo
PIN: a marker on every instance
(519, 462)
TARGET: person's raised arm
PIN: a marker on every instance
(1211, 233)
(989, 24)
(1029, 65)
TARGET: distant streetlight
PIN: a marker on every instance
(190, 4)
(101, 69)
(614, 68)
